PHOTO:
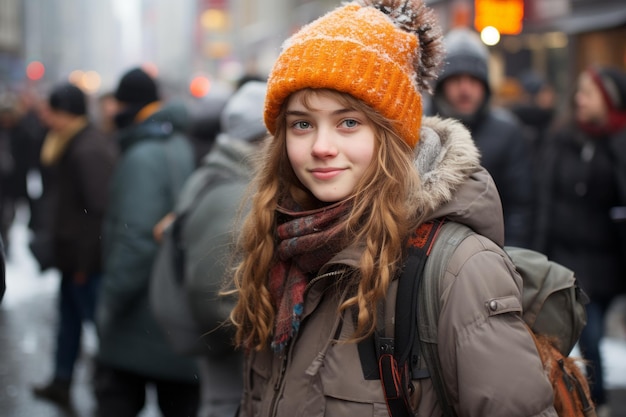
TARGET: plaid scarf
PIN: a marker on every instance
(306, 240)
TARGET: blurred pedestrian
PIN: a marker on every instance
(81, 163)
(156, 159)
(462, 91)
(107, 109)
(351, 170)
(208, 231)
(582, 199)
(8, 186)
(205, 126)
(536, 109)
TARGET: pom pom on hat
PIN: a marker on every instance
(68, 98)
(379, 51)
(137, 87)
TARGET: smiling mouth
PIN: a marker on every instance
(326, 173)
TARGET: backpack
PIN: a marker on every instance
(553, 309)
(168, 295)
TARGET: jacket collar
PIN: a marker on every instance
(454, 184)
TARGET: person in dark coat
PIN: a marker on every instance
(582, 199)
(462, 92)
(536, 110)
(156, 158)
(80, 162)
(8, 121)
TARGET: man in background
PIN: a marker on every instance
(156, 158)
(462, 92)
(78, 164)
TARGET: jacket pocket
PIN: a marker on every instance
(501, 305)
(345, 390)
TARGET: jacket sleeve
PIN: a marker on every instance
(489, 360)
(139, 199)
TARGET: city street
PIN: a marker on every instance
(27, 323)
(27, 320)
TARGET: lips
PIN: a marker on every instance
(326, 173)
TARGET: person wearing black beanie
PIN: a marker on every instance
(76, 165)
(133, 352)
(581, 220)
(135, 91)
(68, 98)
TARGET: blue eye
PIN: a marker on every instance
(350, 123)
(301, 125)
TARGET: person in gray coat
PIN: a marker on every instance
(156, 159)
(214, 192)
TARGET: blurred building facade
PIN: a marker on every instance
(92, 43)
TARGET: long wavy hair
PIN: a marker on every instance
(385, 209)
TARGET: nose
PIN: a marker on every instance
(325, 145)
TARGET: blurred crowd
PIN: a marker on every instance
(127, 173)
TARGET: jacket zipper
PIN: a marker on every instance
(319, 278)
(279, 384)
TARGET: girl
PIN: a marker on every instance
(349, 174)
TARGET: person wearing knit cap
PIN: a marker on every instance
(463, 92)
(133, 352)
(77, 165)
(135, 91)
(350, 172)
(581, 203)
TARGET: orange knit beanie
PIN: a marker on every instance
(379, 51)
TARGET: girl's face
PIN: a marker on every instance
(590, 106)
(329, 146)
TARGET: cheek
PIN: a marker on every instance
(295, 153)
(363, 153)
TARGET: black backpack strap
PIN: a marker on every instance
(398, 357)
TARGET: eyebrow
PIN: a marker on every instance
(305, 113)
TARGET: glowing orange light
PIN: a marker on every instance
(35, 70)
(505, 15)
(199, 86)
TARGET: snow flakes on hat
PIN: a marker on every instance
(382, 52)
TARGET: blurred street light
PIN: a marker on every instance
(35, 70)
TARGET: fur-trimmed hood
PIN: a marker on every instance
(453, 182)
